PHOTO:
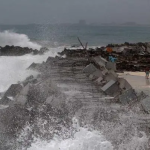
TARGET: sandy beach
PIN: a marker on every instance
(137, 81)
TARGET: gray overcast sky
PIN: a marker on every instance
(70, 11)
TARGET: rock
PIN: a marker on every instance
(10, 94)
(111, 88)
(43, 50)
(104, 71)
(99, 81)
(30, 79)
(100, 61)
(95, 75)
(13, 90)
(50, 59)
(89, 69)
(123, 84)
(38, 93)
(146, 105)
(110, 76)
(5, 100)
(111, 66)
(34, 66)
(22, 97)
(14, 51)
(19, 51)
(127, 96)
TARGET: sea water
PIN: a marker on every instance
(62, 35)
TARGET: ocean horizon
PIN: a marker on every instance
(66, 34)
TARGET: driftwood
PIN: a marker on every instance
(81, 43)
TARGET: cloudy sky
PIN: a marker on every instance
(70, 11)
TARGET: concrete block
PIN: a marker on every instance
(21, 98)
(111, 88)
(50, 59)
(104, 71)
(114, 73)
(123, 84)
(111, 66)
(146, 104)
(34, 66)
(89, 69)
(110, 76)
(5, 100)
(128, 96)
(99, 80)
(13, 90)
(109, 84)
(95, 75)
(100, 61)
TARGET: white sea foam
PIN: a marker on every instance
(12, 38)
(13, 69)
(83, 140)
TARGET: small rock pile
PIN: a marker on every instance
(130, 57)
(19, 51)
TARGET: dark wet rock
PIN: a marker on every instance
(10, 94)
(146, 105)
(5, 100)
(31, 79)
(34, 66)
(19, 51)
(43, 50)
(13, 90)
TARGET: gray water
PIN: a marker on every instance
(62, 35)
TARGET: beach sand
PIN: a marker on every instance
(137, 81)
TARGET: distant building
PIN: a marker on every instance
(82, 22)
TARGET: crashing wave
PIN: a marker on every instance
(16, 39)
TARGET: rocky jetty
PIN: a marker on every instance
(84, 84)
(19, 51)
(130, 57)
